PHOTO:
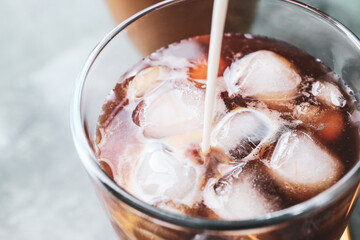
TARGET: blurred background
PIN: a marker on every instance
(44, 190)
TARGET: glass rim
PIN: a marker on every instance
(90, 163)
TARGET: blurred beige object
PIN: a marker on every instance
(122, 9)
(165, 28)
(162, 28)
(346, 235)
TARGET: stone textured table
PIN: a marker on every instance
(44, 191)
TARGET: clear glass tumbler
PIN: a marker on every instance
(322, 217)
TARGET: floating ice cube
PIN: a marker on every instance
(328, 93)
(160, 176)
(238, 200)
(264, 75)
(241, 131)
(147, 79)
(297, 159)
(173, 111)
(176, 108)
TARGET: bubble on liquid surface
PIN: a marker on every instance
(160, 175)
(264, 75)
(241, 131)
(297, 159)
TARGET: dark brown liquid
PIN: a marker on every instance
(117, 127)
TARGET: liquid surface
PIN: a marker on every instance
(285, 129)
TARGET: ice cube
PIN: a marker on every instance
(172, 111)
(238, 200)
(264, 75)
(241, 131)
(328, 94)
(298, 160)
(160, 175)
(175, 108)
(147, 79)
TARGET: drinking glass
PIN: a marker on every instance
(322, 217)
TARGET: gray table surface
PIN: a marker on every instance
(44, 190)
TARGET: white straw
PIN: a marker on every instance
(216, 35)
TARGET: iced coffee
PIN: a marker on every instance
(284, 129)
